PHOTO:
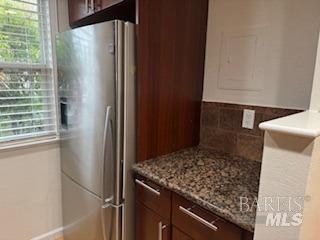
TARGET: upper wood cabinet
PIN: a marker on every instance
(103, 4)
(79, 9)
(84, 12)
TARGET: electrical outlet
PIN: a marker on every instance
(248, 118)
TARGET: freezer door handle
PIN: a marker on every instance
(108, 159)
(117, 220)
(107, 203)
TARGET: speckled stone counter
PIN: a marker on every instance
(213, 180)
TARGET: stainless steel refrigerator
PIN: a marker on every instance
(96, 86)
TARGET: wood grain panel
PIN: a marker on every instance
(171, 52)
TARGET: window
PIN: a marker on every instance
(27, 103)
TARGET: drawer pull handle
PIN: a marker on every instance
(141, 183)
(160, 230)
(199, 219)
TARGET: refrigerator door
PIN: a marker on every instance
(83, 216)
(87, 92)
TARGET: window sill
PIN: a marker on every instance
(29, 143)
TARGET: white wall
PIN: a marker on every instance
(63, 15)
(30, 202)
(315, 96)
(261, 52)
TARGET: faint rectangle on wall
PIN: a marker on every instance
(242, 59)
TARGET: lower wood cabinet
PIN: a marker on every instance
(151, 226)
(178, 235)
(153, 197)
(163, 215)
(201, 224)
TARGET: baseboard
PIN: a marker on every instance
(52, 235)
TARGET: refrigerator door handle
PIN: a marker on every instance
(108, 204)
(116, 232)
(108, 158)
(107, 179)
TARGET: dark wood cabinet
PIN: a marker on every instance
(161, 214)
(154, 197)
(153, 211)
(79, 9)
(171, 53)
(178, 235)
(85, 12)
(149, 225)
(103, 4)
(200, 224)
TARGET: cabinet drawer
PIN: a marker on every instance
(199, 223)
(153, 196)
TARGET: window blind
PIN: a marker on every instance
(27, 103)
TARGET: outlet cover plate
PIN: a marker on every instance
(248, 118)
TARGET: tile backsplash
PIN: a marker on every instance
(221, 128)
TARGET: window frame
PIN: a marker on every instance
(54, 137)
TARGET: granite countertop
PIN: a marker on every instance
(213, 180)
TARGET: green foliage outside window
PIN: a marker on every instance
(25, 91)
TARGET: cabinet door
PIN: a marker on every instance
(178, 235)
(149, 225)
(103, 4)
(79, 9)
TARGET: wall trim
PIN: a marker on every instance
(52, 235)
